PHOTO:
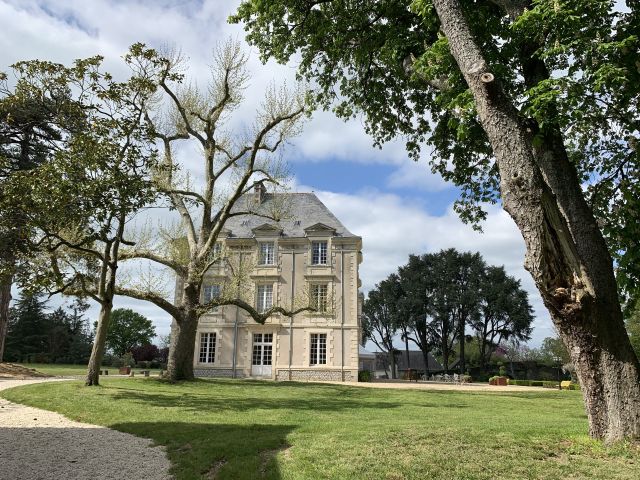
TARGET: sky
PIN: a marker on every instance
(396, 205)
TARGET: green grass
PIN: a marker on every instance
(73, 370)
(315, 431)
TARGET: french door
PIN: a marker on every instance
(262, 354)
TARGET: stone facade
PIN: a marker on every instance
(310, 255)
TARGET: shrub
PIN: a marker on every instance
(364, 376)
(522, 383)
(127, 360)
(574, 386)
(465, 379)
(550, 384)
(145, 353)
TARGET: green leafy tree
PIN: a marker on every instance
(505, 313)
(128, 330)
(633, 327)
(36, 114)
(27, 337)
(380, 322)
(522, 101)
(416, 284)
(553, 352)
(99, 178)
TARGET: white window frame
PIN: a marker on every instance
(266, 256)
(318, 349)
(207, 351)
(322, 255)
(319, 299)
(264, 297)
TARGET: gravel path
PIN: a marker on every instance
(40, 445)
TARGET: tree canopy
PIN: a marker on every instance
(128, 330)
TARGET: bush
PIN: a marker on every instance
(127, 360)
(521, 383)
(145, 353)
(574, 386)
(496, 380)
(465, 379)
(364, 376)
(534, 383)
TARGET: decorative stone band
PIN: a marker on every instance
(283, 374)
(216, 372)
(317, 375)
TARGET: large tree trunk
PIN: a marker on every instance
(425, 355)
(97, 351)
(183, 336)
(461, 328)
(182, 348)
(566, 254)
(5, 300)
(392, 361)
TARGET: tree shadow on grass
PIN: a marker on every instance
(217, 451)
(247, 400)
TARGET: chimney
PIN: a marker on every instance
(259, 192)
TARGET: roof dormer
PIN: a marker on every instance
(266, 230)
(319, 230)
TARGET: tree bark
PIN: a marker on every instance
(5, 300)
(182, 348)
(425, 355)
(566, 253)
(461, 328)
(97, 351)
(392, 361)
(183, 336)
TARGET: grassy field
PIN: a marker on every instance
(235, 429)
(73, 370)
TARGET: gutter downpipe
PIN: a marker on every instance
(342, 315)
(235, 342)
(293, 279)
(235, 331)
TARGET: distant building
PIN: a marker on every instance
(367, 360)
(307, 254)
(416, 362)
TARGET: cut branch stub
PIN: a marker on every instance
(487, 77)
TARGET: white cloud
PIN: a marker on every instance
(417, 175)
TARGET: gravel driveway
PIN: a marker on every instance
(37, 445)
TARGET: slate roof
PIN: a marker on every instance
(300, 211)
(416, 357)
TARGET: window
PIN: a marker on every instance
(267, 253)
(207, 347)
(319, 253)
(318, 349)
(211, 292)
(319, 296)
(217, 252)
(265, 298)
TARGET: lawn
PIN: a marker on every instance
(73, 370)
(241, 429)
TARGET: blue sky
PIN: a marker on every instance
(396, 205)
